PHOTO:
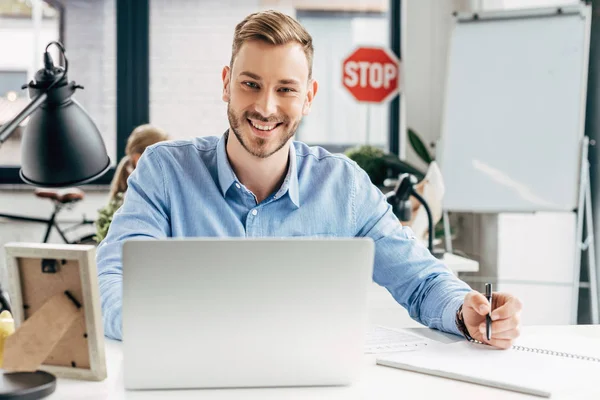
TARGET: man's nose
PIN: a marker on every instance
(266, 104)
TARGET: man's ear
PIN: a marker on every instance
(226, 76)
(313, 86)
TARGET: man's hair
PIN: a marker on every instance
(274, 28)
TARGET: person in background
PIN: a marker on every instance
(141, 137)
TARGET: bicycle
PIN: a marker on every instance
(62, 199)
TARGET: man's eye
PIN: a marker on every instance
(286, 90)
(251, 85)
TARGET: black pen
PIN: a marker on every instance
(488, 318)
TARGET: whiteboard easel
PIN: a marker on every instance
(513, 126)
(585, 209)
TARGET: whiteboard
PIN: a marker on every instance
(514, 110)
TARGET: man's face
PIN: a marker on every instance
(267, 92)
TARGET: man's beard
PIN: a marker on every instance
(258, 145)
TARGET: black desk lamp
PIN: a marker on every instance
(61, 145)
(399, 198)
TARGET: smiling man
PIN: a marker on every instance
(255, 181)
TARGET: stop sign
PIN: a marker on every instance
(371, 74)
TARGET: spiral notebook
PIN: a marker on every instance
(536, 365)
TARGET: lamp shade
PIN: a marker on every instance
(62, 146)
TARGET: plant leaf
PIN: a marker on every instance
(419, 147)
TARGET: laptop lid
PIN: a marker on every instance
(244, 312)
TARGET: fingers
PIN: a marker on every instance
(510, 330)
(509, 306)
(504, 331)
(505, 318)
(502, 325)
(511, 334)
(477, 302)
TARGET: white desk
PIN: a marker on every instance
(460, 264)
(377, 382)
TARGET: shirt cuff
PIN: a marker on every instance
(449, 315)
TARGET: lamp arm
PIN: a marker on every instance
(429, 216)
(9, 129)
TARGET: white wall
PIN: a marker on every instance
(17, 41)
(427, 34)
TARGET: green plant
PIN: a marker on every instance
(105, 216)
(372, 160)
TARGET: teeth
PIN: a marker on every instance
(262, 127)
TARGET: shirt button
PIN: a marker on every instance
(237, 185)
(254, 212)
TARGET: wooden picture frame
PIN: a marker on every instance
(37, 272)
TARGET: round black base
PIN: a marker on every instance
(26, 385)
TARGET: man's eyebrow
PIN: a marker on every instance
(251, 75)
(289, 82)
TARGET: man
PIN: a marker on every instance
(256, 181)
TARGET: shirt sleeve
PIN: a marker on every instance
(144, 214)
(417, 280)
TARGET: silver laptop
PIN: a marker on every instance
(216, 313)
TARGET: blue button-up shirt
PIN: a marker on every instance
(188, 189)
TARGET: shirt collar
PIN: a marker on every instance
(227, 176)
(290, 183)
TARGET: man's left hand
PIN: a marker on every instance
(506, 310)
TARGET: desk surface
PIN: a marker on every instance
(377, 382)
(460, 264)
